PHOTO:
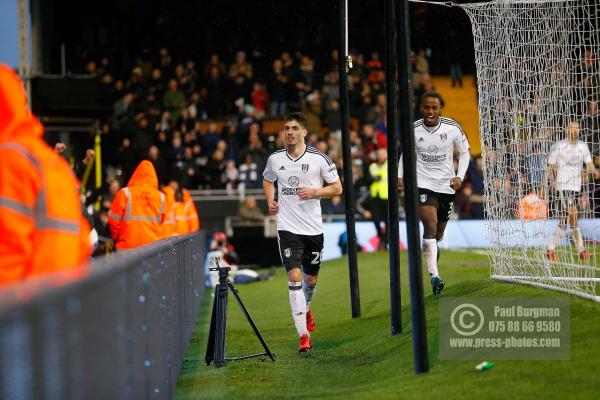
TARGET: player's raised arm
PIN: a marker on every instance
(462, 145)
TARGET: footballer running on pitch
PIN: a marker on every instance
(300, 171)
(436, 138)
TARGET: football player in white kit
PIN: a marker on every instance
(436, 138)
(565, 172)
(300, 171)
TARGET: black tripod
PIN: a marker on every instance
(215, 350)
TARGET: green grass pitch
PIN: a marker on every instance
(359, 359)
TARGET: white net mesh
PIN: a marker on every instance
(537, 72)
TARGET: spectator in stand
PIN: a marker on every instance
(240, 66)
(215, 98)
(232, 175)
(335, 206)
(165, 61)
(125, 158)
(123, 110)
(249, 173)
(136, 82)
(312, 109)
(156, 83)
(306, 77)
(209, 139)
(159, 163)
(215, 170)
(214, 62)
(278, 89)
(173, 100)
(255, 147)
(590, 129)
(240, 89)
(379, 196)
(249, 211)
(259, 97)
(372, 141)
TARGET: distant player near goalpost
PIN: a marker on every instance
(565, 173)
(300, 171)
(436, 138)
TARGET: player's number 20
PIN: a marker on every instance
(318, 255)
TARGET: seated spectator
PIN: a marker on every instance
(278, 89)
(249, 211)
(240, 66)
(232, 175)
(215, 170)
(250, 175)
(334, 206)
(255, 148)
(259, 97)
(173, 100)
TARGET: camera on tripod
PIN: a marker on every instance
(215, 349)
(223, 271)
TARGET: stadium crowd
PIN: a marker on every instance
(210, 125)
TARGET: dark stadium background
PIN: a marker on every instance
(120, 29)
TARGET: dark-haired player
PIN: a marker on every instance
(436, 139)
(300, 172)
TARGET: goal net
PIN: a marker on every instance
(538, 82)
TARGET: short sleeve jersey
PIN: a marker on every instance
(302, 217)
(568, 159)
(435, 150)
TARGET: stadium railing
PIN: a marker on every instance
(118, 332)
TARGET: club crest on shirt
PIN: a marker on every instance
(423, 198)
(444, 136)
(305, 168)
(287, 252)
(294, 181)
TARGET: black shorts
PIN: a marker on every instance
(301, 250)
(566, 199)
(443, 202)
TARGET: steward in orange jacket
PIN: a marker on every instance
(191, 213)
(168, 225)
(42, 229)
(136, 214)
(181, 222)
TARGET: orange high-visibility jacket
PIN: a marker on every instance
(136, 214)
(191, 213)
(168, 225)
(42, 229)
(532, 207)
(181, 223)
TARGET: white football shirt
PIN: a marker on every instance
(568, 159)
(302, 217)
(435, 153)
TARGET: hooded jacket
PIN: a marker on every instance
(42, 229)
(136, 213)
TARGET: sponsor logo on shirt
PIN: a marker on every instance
(294, 181)
(432, 158)
(282, 168)
(287, 191)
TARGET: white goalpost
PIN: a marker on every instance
(539, 84)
